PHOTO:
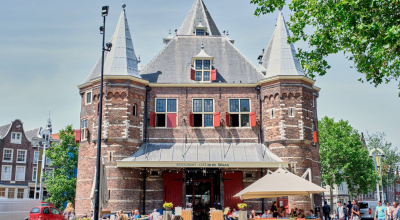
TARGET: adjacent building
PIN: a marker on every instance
(19, 158)
(199, 122)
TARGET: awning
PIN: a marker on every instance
(209, 155)
(279, 183)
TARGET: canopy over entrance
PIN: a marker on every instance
(208, 155)
(279, 183)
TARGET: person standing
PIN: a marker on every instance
(381, 211)
(341, 211)
(355, 211)
(69, 212)
(393, 211)
(349, 207)
(326, 210)
(274, 209)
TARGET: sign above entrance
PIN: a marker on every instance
(183, 164)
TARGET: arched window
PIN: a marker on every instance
(134, 110)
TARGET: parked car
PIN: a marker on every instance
(367, 209)
(45, 213)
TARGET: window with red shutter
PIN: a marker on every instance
(253, 121)
(239, 112)
(213, 75)
(217, 120)
(171, 120)
(192, 74)
(152, 119)
(227, 119)
(190, 119)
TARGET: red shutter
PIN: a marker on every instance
(233, 183)
(173, 188)
(217, 120)
(253, 121)
(315, 137)
(213, 75)
(152, 119)
(192, 74)
(228, 121)
(171, 120)
(190, 119)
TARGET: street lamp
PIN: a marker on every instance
(104, 13)
(376, 154)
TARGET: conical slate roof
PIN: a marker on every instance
(121, 60)
(198, 10)
(280, 57)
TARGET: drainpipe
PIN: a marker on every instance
(145, 138)
(262, 200)
(144, 192)
(258, 89)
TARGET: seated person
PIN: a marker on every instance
(155, 214)
(267, 214)
(253, 214)
(282, 212)
(293, 213)
(301, 214)
(311, 214)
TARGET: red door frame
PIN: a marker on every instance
(283, 199)
(212, 193)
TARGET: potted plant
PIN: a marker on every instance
(168, 206)
(242, 206)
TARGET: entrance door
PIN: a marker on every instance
(203, 198)
(284, 201)
(173, 187)
(233, 184)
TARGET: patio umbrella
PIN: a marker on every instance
(103, 191)
(279, 183)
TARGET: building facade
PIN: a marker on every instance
(199, 122)
(19, 158)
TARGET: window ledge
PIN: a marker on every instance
(7, 161)
(15, 142)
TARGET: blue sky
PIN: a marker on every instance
(49, 47)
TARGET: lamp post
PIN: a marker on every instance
(104, 13)
(376, 154)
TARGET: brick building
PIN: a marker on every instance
(19, 159)
(198, 123)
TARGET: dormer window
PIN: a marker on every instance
(200, 32)
(202, 67)
(202, 70)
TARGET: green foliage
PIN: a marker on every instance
(61, 183)
(343, 158)
(392, 156)
(368, 31)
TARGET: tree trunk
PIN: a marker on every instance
(331, 193)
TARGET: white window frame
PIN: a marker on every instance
(16, 168)
(202, 70)
(272, 113)
(48, 161)
(15, 140)
(91, 97)
(38, 153)
(239, 112)
(84, 130)
(49, 170)
(203, 112)
(2, 172)
(34, 171)
(293, 112)
(12, 155)
(26, 152)
(166, 111)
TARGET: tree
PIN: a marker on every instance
(367, 31)
(392, 156)
(61, 182)
(343, 158)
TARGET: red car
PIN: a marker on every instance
(45, 213)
